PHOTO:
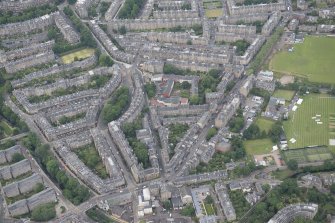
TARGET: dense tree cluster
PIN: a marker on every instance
(186, 6)
(237, 122)
(150, 89)
(104, 7)
(239, 202)
(230, 86)
(289, 193)
(211, 132)
(90, 157)
(66, 119)
(292, 164)
(92, 11)
(72, 190)
(139, 148)
(257, 2)
(176, 133)
(241, 46)
(188, 210)
(130, 9)
(31, 13)
(263, 53)
(219, 159)
(6, 114)
(98, 215)
(44, 212)
(105, 60)
(113, 108)
(72, 2)
(86, 37)
(276, 131)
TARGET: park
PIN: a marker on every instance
(313, 60)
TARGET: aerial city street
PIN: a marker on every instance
(154, 111)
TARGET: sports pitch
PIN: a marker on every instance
(313, 123)
(258, 146)
(313, 59)
(80, 54)
(308, 154)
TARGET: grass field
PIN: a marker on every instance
(6, 127)
(308, 154)
(258, 146)
(80, 54)
(213, 13)
(286, 94)
(264, 124)
(209, 209)
(304, 129)
(312, 59)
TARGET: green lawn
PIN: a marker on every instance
(312, 59)
(304, 129)
(213, 13)
(286, 94)
(6, 127)
(258, 146)
(209, 209)
(264, 124)
(80, 54)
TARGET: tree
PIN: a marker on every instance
(167, 205)
(275, 132)
(332, 188)
(209, 199)
(194, 100)
(150, 89)
(188, 210)
(72, 2)
(17, 157)
(122, 30)
(52, 167)
(292, 164)
(236, 124)
(211, 132)
(185, 85)
(44, 212)
(52, 34)
(253, 132)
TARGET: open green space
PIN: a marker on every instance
(213, 13)
(313, 59)
(77, 55)
(258, 146)
(209, 209)
(6, 128)
(264, 124)
(308, 154)
(304, 125)
(286, 94)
